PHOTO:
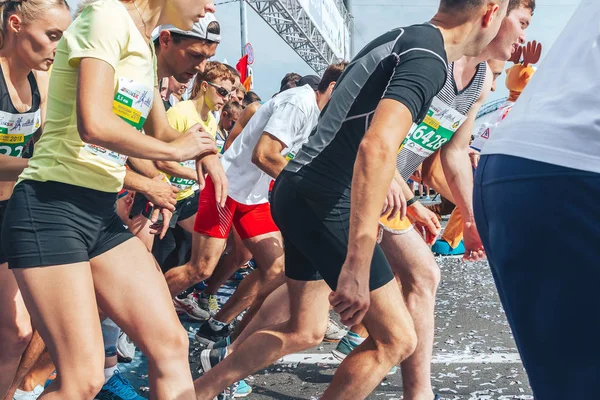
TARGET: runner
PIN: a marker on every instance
(29, 35)
(210, 93)
(268, 142)
(173, 92)
(312, 204)
(62, 213)
(453, 110)
(523, 204)
(229, 116)
(250, 98)
(181, 54)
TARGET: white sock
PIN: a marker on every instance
(354, 338)
(109, 372)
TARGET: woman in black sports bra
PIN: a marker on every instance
(29, 33)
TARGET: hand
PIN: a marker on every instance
(193, 143)
(426, 219)
(474, 250)
(161, 193)
(163, 226)
(417, 175)
(474, 156)
(352, 298)
(211, 165)
(394, 202)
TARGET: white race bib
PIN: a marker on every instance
(132, 103)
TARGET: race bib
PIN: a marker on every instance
(487, 128)
(16, 130)
(182, 183)
(436, 129)
(132, 103)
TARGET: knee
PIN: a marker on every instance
(171, 344)
(397, 347)
(426, 280)
(16, 337)
(310, 336)
(276, 271)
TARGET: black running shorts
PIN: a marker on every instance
(3, 205)
(315, 232)
(185, 208)
(51, 223)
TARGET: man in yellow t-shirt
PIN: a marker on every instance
(210, 93)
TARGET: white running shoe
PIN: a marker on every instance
(125, 348)
(23, 395)
(209, 304)
(334, 332)
(190, 307)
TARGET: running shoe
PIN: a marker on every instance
(442, 248)
(207, 336)
(125, 348)
(33, 395)
(118, 388)
(209, 303)
(209, 358)
(243, 390)
(221, 343)
(334, 332)
(343, 348)
(190, 307)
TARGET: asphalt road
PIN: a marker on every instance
(474, 353)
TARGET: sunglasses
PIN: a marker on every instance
(220, 90)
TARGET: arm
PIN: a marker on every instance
(43, 80)
(175, 169)
(459, 175)
(241, 123)
(267, 155)
(157, 190)
(98, 124)
(143, 167)
(11, 167)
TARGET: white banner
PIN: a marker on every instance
(330, 23)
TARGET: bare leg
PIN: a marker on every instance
(15, 328)
(268, 253)
(412, 261)
(29, 361)
(274, 310)
(309, 306)
(149, 320)
(39, 374)
(63, 308)
(229, 263)
(206, 252)
(391, 339)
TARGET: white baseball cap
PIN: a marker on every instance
(198, 31)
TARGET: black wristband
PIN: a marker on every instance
(412, 201)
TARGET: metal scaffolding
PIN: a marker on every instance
(295, 27)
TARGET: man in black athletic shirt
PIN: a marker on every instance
(328, 200)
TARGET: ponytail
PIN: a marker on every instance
(29, 10)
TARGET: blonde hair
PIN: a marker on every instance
(214, 70)
(29, 10)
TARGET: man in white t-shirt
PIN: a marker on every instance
(542, 241)
(271, 138)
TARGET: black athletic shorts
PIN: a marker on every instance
(3, 205)
(140, 205)
(52, 223)
(184, 209)
(315, 227)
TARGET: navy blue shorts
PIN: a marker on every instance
(540, 225)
